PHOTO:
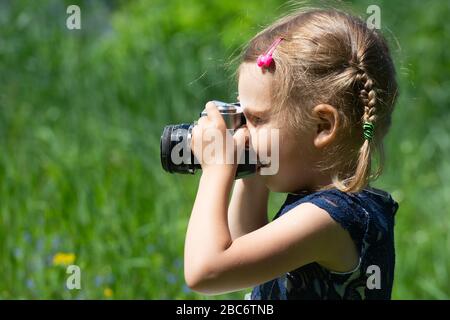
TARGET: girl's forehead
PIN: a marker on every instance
(254, 87)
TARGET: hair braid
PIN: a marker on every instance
(368, 97)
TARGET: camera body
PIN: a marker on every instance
(232, 114)
(175, 151)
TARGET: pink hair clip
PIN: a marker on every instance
(264, 60)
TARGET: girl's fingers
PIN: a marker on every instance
(203, 121)
(197, 134)
(214, 115)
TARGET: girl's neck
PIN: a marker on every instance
(318, 183)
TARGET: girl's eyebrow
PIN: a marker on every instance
(254, 112)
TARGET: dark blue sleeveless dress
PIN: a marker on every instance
(368, 216)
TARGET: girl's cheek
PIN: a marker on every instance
(253, 137)
(254, 142)
(261, 142)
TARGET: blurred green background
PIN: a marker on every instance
(81, 113)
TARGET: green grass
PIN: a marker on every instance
(81, 113)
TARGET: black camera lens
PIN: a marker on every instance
(173, 135)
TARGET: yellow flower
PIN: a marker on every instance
(107, 292)
(63, 259)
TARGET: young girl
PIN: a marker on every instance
(327, 83)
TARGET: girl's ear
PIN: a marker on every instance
(327, 124)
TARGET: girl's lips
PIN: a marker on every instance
(260, 165)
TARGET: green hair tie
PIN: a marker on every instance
(368, 130)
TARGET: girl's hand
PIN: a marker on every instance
(213, 145)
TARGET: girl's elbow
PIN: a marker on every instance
(200, 286)
(201, 280)
(192, 281)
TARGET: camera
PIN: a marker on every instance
(175, 144)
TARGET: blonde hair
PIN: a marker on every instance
(329, 56)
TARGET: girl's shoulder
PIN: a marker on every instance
(368, 217)
(368, 201)
(368, 214)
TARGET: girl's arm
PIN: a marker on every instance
(215, 263)
(247, 210)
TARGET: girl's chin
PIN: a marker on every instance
(275, 184)
(269, 181)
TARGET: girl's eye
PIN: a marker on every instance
(257, 120)
(254, 119)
